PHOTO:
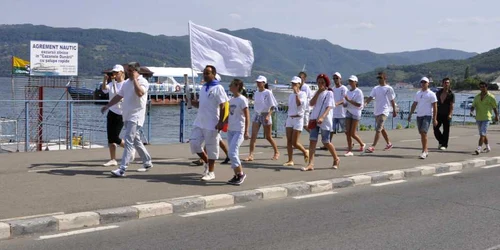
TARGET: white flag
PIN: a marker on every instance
(231, 56)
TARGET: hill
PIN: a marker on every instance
(278, 56)
(485, 66)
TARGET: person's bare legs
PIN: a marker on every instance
(386, 136)
(289, 144)
(112, 149)
(269, 138)
(333, 152)
(348, 122)
(354, 135)
(253, 138)
(312, 151)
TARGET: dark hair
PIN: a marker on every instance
(134, 65)
(302, 73)
(483, 83)
(266, 86)
(382, 74)
(238, 83)
(445, 79)
(214, 70)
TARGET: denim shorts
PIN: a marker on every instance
(349, 115)
(423, 123)
(338, 125)
(260, 118)
(482, 126)
(325, 135)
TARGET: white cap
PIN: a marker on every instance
(296, 79)
(118, 68)
(261, 79)
(217, 77)
(337, 74)
(353, 78)
(425, 79)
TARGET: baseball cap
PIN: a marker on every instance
(337, 74)
(118, 68)
(261, 79)
(425, 79)
(296, 79)
(353, 78)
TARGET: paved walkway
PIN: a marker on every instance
(75, 181)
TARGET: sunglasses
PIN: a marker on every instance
(423, 82)
(379, 77)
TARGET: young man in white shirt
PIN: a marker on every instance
(339, 92)
(114, 120)
(209, 121)
(426, 104)
(384, 98)
(306, 89)
(134, 94)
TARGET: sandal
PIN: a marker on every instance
(307, 169)
(276, 156)
(288, 164)
(249, 158)
(336, 163)
(198, 162)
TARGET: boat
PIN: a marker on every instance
(467, 104)
(283, 91)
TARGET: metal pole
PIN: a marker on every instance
(181, 127)
(40, 119)
(70, 125)
(26, 127)
(149, 121)
(409, 108)
(465, 107)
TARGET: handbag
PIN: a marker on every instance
(314, 122)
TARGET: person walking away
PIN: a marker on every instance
(445, 105)
(264, 104)
(426, 104)
(134, 94)
(354, 105)
(114, 120)
(209, 121)
(483, 103)
(304, 87)
(321, 120)
(297, 102)
(384, 98)
(238, 125)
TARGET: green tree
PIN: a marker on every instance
(466, 75)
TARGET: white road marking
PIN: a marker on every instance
(388, 183)
(33, 216)
(492, 166)
(371, 172)
(217, 210)
(88, 230)
(313, 195)
(497, 247)
(449, 173)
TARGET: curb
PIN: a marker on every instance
(14, 228)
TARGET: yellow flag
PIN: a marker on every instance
(20, 66)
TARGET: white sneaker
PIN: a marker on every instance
(442, 148)
(145, 167)
(477, 151)
(110, 163)
(486, 150)
(208, 177)
(205, 172)
(348, 154)
(424, 155)
(118, 172)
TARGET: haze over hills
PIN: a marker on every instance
(278, 56)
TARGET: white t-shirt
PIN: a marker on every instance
(293, 109)
(306, 89)
(383, 96)
(424, 100)
(325, 100)
(263, 101)
(356, 96)
(208, 110)
(236, 119)
(113, 89)
(133, 106)
(338, 95)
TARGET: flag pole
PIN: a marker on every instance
(188, 90)
(12, 78)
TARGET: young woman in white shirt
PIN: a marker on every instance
(238, 124)
(323, 103)
(354, 105)
(264, 104)
(297, 102)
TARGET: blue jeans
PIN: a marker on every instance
(338, 125)
(234, 139)
(314, 133)
(482, 126)
(423, 123)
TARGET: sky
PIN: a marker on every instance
(379, 26)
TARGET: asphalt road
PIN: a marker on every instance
(460, 211)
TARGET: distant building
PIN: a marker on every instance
(496, 81)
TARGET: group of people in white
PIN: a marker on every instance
(330, 109)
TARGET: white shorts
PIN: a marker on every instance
(211, 139)
(306, 118)
(297, 123)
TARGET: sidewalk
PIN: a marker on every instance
(75, 181)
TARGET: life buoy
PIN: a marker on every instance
(178, 88)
